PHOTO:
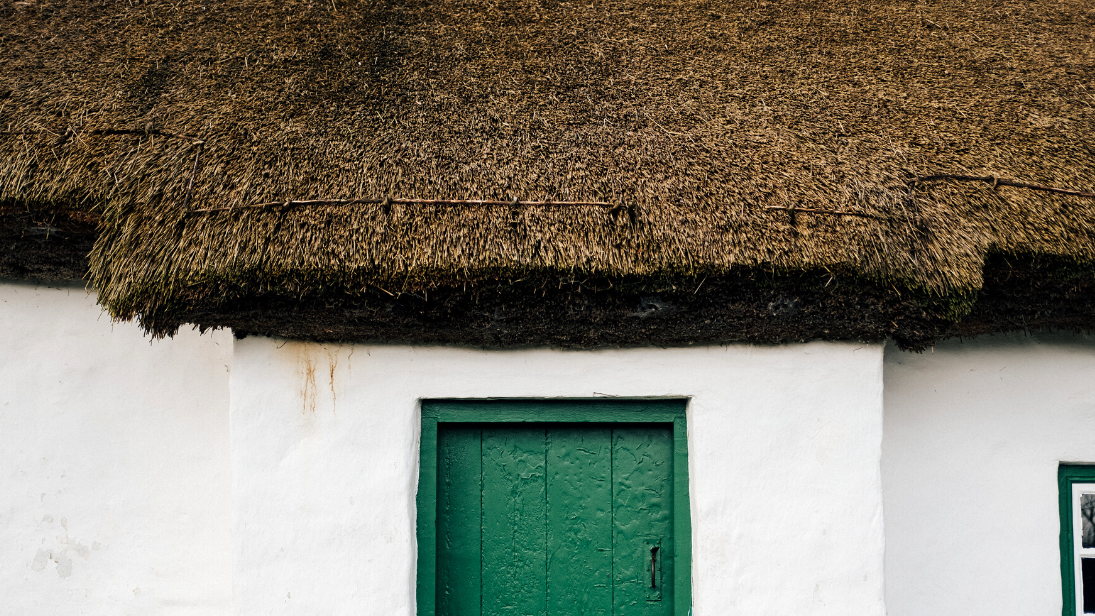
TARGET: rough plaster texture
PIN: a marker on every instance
(114, 463)
(974, 432)
(784, 446)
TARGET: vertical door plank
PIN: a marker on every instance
(642, 473)
(514, 524)
(426, 504)
(459, 526)
(579, 514)
(682, 522)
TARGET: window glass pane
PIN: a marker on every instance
(1087, 571)
(1087, 513)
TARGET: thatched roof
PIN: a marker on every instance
(689, 119)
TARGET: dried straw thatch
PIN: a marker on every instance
(689, 118)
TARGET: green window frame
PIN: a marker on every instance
(1068, 476)
(598, 410)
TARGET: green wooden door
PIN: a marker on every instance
(555, 519)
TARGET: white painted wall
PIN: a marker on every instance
(117, 466)
(784, 449)
(114, 463)
(974, 432)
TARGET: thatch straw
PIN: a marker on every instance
(694, 118)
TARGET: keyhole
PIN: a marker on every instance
(653, 566)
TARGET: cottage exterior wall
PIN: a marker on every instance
(784, 448)
(114, 465)
(974, 433)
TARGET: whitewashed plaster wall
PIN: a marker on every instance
(784, 449)
(114, 463)
(974, 432)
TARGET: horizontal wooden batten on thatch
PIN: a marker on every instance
(526, 173)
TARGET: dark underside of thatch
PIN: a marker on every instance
(44, 243)
(757, 307)
(666, 171)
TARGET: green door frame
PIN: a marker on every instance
(598, 410)
(1068, 474)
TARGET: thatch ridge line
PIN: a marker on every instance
(989, 179)
(391, 201)
(69, 133)
(810, 210)
(995, 181)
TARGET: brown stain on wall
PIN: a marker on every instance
(308, 363)
(332, 359)
(308, 383)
